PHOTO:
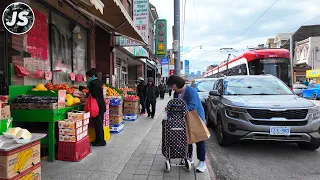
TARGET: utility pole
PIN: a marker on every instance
(176, 42)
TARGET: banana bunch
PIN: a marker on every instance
(22, 159)
(28, 177)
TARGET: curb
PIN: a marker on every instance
(210, 170)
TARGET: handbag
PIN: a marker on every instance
(196, 129)
(92, 107)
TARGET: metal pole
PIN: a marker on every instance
(291, 59)
(177, 37)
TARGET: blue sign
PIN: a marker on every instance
(186, 67)
(164, 61)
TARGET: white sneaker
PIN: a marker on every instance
(202, 167)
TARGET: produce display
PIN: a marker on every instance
(131, 98)
(111, 92)
(66, 87)
(72, 100)
(40, 87)
(127, 89)
(20, 135)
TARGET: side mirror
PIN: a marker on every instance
(214, 93)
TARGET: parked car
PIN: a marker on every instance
(262, 107)
(297, 88)
(312, 91)
(203, 87)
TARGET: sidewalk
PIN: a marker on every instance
(133, 154)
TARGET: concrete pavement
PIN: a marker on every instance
(133, 154)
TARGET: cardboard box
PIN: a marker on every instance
(71, 132)
(131, 104)
(68, 124)
(15, 162)
(5, 112)
(115, 110)
(32, 173)
(130, 111)
(69, 138)
(115, 119)
(86, 122)
(84, 128)
(78, 115)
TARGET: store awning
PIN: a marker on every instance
(114, 15)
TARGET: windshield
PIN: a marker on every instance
(255, 86)
(205, 86)
(279, 67)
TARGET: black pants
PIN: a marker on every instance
(170, 92)
(162, 94)
(201, 150)
(143, 104)
(98, 126)
(153, 104)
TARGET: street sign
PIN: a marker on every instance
(175, 45)
(171, 72)
(164, 61)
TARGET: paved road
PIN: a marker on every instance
(263, 160)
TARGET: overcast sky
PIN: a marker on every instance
(222, 21)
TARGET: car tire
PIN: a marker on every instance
(221, 135)
(309, 145)
(315, 96)
(209, 122)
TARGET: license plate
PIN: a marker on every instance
(278, 130)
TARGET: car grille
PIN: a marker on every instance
(279, 123)
(268, 114)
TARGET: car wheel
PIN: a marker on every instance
(309, 146)
(221, 135)
(315, 97)
(209, 122)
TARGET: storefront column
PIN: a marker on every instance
(92, 48)
(140, 71)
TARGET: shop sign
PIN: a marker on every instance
(171, 67)
(161, 38)
(164, 61)
(313, 73)
(172, 61)
(165, 71)
(123, 41)
(141, 17)
(37, 37)
(171, 72)
(137, 51)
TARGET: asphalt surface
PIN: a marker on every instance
(251, 160)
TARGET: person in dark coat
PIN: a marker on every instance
(151, 93)
(162, 89)
(140, 89)
(95, 89)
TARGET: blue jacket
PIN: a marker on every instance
(193, 101)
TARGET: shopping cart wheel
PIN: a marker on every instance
(188, 164)
(168, 165)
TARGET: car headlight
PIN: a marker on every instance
(234, 112)
(315, 111)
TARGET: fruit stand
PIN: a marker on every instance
(29, 112)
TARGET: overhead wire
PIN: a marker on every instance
(304, 23)
(255, 21)
(195, 9)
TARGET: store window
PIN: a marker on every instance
(69, 48)
(61, 38)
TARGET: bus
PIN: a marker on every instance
(275, 62)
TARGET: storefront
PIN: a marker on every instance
(299, 74)
(313, 75)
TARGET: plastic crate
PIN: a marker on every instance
(130, 117)
(116, 128)
(68, 151)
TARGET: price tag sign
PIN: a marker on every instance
(72, 77)
(62, 98)
(48, 75)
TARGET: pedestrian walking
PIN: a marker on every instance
(140, 93)
(162, 89)
(95, 89)
(190, 95)
(151, 92)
